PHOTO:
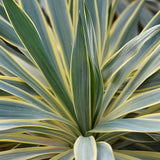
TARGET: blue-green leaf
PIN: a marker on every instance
(80, 76)
(104, 151)
(85, 148)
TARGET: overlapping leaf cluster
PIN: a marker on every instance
(78, 83)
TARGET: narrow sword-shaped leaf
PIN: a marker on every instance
(30, 152)
(13, 109)
(123, 73)
(85, 148)
(7, 33)
(29, 139)
(19, 83)
(93, 9)
(154, 21)
(140, 137)
(103, 8)
(145, 16)
(80, 76)
(23, 94)
(33, 43)
(10, 63)
(33, 10)
(124, 25)
(149, 123)
(61, 23)
(68, 155)
(139, 102)
(142, 155)
(150, 66)
(96, 78)
(14, 123)
(121, 156)
(3, 13)
(150, 83)
(120, 58)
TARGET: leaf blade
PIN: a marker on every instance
(80, 78)
(85, 148)
(104, 151)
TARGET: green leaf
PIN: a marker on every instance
(146, 16)
(7, 33)
(149, 123)
(57, 135)
(123, 72)
(93, 9)
(154, 21)
(110, 136)
(5, 72)
(23, 110)
(14, 123)
(139, 102)
(151, 82)
(122, 29)
(103, 12)
(149, 67)
(68, 155)
(21, 93)
(85, 148)
(139, 137)
(104, 151)
(43, 156)
(32, 41)
(29, 139)
(26, 63)
(122, 56)
(27, 153)
(10, 63)
(80, 76)
(25, 55)
(121, 156)
(141, 155)
(18, 83)
(61, 23)
(95, 73)
(34, 11)
(3, 13)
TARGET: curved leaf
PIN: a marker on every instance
(122, 74)
(151, 82)
(29, 139)
(149, 123)
(139, 102)
(68, 155)
(32, 41)
(125, 25)
(26, 153)
(22, 94)
(121, 156)
(150, 66)
(154, 21)
(141, 155)
(85, 148)
(10, 63)
(104, 151)
(13, 109)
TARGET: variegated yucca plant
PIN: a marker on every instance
(78, 83)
